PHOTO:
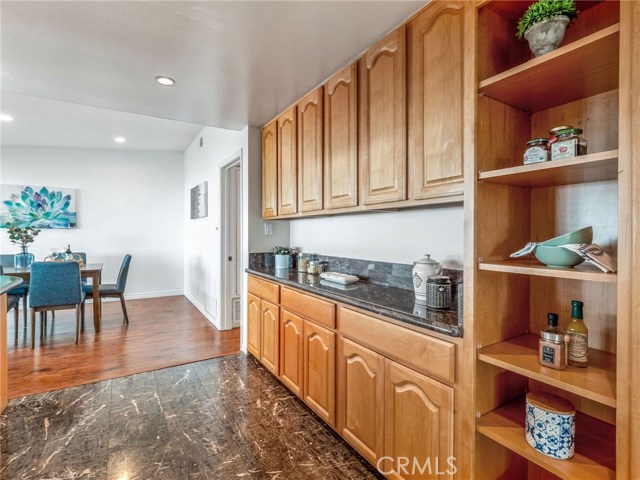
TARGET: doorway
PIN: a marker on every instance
(231, 261)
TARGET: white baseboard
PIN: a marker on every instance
(202, 310)
(141, 295)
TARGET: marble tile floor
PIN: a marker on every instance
(216, 419)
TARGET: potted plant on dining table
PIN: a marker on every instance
(23, 236)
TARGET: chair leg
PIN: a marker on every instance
(16, 317)
(82, 309)
(42, 324)
(44, 316)
(53, 314)
(124, 308)
(33, 328)
(77, 322)
(24, 307)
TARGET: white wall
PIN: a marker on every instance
(398, 236)
(128, 202)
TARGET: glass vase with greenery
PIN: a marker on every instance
(23, 236)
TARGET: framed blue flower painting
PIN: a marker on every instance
(37, 206)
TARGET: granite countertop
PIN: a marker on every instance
(396, 303)
(7, 283)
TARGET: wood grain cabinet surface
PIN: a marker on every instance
(418, 423)
(436, 57)
(291, 350)
(253, 325)
(287, 162)
(383, 120)
(310, 148)
(269, 171)
(341, 139)
(270, 338)
(361, 398)
(319, 374)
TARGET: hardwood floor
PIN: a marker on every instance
(162, 332)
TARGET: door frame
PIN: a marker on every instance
(234, 160)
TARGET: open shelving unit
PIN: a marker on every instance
(518, 98)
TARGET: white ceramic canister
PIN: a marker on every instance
(423, 269)
(550, 425)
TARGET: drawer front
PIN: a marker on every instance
(309, 307)
(422, 352)
(264, 289)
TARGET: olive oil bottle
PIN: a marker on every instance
(578, 336)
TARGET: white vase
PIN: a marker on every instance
(546, 36)
(282, 261)
(422, 270)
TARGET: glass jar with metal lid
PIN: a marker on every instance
(553, 133)
(316, 267)
(537, 151)
(569, 144)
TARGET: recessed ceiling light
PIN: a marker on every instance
(120, 139)
(6, 118)
(166, 81)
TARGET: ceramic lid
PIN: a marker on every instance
(427, 260)
(551, 403)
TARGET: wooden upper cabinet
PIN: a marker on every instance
(269, 171)
(270, 336)
(340, 139)
(383, 120)
(418, 422)
(287, 163)
(436, 67)
(291, 351)
(310, 118)
(253, 325)
(361, 398)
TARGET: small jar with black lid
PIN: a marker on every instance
(438, 292)
(554, 345)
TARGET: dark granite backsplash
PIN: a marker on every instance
(397, 275)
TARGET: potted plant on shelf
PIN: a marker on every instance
(283, 256)
(544, 24)
(22, 237)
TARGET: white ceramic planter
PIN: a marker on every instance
(282, 261)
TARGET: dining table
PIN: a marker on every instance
(89, 270)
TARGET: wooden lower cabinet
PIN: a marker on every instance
(270, 330)
(319, 370)
(291, 350)
(361, 398)
(253, 325)
(418, 415)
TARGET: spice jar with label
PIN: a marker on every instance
(303, 262)
(537, 151)
(553, 345)
(316, 267)
(553, 133)
(568, 144)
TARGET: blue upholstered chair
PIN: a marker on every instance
(7, 261)
(13, 302)
(55, 286)
(115, 290)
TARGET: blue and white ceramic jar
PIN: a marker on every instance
(550, 425)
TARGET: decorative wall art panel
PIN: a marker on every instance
(37, 206)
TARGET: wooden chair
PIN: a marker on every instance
(55, 286)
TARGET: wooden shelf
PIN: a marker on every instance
(594, 167)
(583, 68)
(520, 355)
(535, 268)
(595, 455)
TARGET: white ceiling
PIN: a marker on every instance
(236, 63)
(41, 122)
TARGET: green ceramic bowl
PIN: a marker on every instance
(584, 235)
(558, 256)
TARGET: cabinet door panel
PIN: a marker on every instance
(291, 350)
(383, 123)
(361, 398)
(287, 163)
(436, 101)
(253, 325)
(340, 140)
(319, 370)
(418, 423)
(310, 151)
(269, 171)
(270, 323)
